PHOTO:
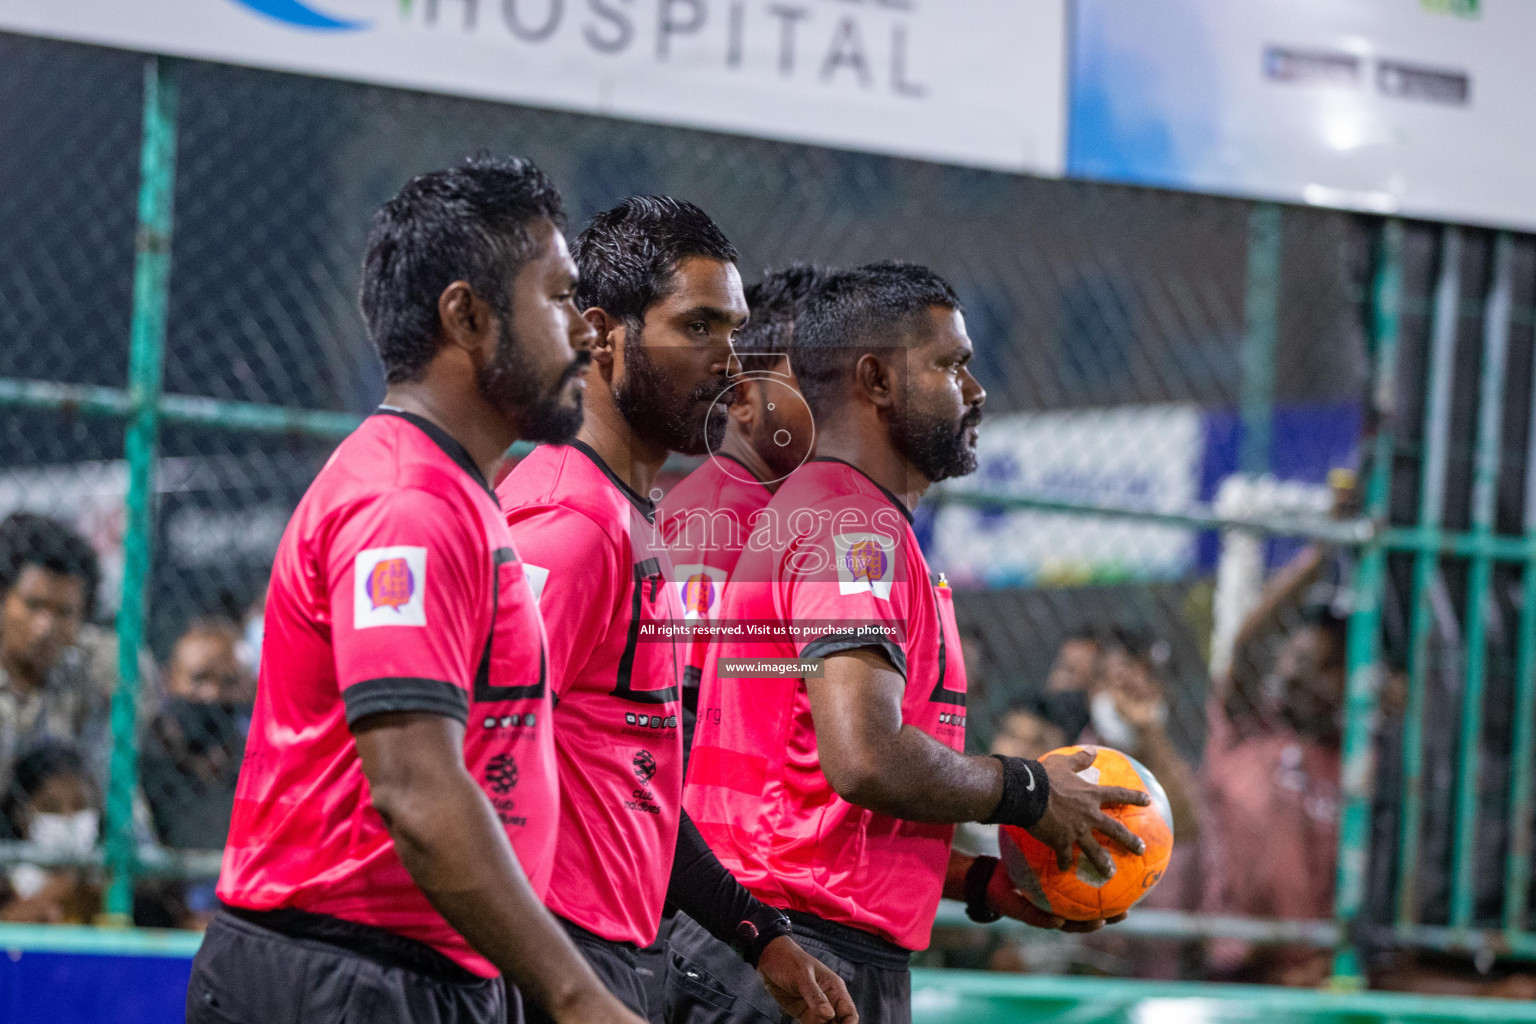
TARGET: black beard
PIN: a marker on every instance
(509, 386)
(654, 410)
(937, 447)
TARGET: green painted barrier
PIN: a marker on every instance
(973, 997)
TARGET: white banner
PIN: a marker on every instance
(1418, 107)
(977, 82)
(1145, 457)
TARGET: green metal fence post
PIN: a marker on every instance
(1437, 429)
(1522, 757)
(151, 277)
(1485, 486)
(1261, 329)
(1363, 643)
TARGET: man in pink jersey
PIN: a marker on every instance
(660, 286)
(395, 822)
(827, 769)
(707, 517)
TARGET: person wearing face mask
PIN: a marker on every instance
(50, 689)
(1128, 711)
(1072, 678)
(53, 805)
(193, 747)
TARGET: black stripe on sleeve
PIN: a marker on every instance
(836, 643)
(405, 693)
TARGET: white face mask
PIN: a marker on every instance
(1114, 730)
(28, 880)
(65, 834)
(250, 644)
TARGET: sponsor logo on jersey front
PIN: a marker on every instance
(501, 778)
(390, 587)
(865, 563)
(643, 800)
(501, 773)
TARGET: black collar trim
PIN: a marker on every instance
(444, 440)
(743, 465)
(647, 508)
(901, 506)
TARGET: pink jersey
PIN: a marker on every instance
(834, 558)
(706, 520)
(603, 579)
(395, 588)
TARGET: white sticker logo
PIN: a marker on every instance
(389, 588)
(537, 576)
(866, 563)
(700, 588)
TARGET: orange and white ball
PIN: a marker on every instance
(1080, 893)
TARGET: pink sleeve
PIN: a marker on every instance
(848, 589)
(407, 575)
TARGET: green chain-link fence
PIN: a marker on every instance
(1171, 378)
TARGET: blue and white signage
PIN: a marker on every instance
(1415, 107)
(979, 82)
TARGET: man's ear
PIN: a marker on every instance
(610, 335)
(875, 380)
(743, 407)
(467, 320)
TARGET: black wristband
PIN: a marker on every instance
(762, 927)
(1026, 793)
(977, 877)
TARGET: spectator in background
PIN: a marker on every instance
(1072, 679)
(1104, 689)
(1272, 791)
(1128, 711)
(48, 691)
(1024, 733)
(193, 747)
(54, 805)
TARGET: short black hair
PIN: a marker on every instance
(27, 538)
(467, 223)
(776, 302)
(851, 313)
(628, 254)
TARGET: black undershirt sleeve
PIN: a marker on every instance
(704, 889)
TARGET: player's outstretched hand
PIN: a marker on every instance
(805, 987)
(1076, 811)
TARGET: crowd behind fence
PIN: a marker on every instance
(1255, 497)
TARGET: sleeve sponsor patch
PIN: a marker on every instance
(390, 587)
(699, 588)
(866, 563)
(537, 576)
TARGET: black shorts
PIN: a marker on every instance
(708, 983)
(616, 965)
(322, 969)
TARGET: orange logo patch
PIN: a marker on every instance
(865, 560)
(391, 584)
(699, 593)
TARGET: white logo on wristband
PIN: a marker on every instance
(1031, 787)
